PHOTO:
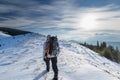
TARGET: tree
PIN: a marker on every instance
(117, 55)
(108, 53)
(98, 45)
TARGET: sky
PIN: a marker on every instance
(80, 20)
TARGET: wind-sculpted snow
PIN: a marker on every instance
(21, 59)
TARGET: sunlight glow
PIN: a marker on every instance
(88, 22)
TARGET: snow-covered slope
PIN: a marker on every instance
(2, 35)
(21, 59)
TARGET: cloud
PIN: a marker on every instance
(105, 35)
(108, 32)
(61, 13)
(17, 22)
(61, 16)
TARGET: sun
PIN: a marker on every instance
(88, 22)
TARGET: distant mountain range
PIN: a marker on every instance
(115, 44)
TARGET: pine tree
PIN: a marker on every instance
(108, 53)
(97, 44)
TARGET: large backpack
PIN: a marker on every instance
(54, 46)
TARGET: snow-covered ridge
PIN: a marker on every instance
(8, 42)
(21, 59)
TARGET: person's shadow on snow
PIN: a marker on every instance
(40, 75)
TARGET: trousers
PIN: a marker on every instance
(54, 65)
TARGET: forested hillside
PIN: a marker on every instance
(107, 51)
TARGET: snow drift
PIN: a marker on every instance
(21, 59)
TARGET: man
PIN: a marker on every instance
(50, 52)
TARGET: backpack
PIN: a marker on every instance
(54, 46)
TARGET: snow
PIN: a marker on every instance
(3, 35)
(21, 59)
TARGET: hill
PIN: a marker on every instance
(12, 31)
(107, 51)
(21, 59)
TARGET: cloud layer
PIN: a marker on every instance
(69, 19)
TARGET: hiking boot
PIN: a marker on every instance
(55, 78)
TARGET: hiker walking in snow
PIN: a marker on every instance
(50, 52)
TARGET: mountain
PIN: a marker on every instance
(114, 44)
(21, 59)
(13, 32)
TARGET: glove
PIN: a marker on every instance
(44, 59)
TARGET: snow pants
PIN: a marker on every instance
(54, 65)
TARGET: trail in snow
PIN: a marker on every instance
(21, 59)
